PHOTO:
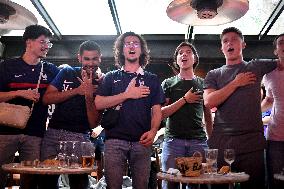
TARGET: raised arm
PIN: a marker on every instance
(131, 92)
(103, 102)
(94, 115)
(213, 98)
(189, 97)
(27, 94)
(53, 96)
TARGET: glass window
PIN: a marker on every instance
(93, 17)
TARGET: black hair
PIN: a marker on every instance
(34, 31)
(182, 44)
(89, 45)
(118, 50)
(232, 29)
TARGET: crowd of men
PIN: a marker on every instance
(139, 103)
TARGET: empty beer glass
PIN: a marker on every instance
(211, 160)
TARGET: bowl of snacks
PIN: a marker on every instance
(190, 166)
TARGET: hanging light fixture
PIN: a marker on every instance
(14, 16)
(207, 12)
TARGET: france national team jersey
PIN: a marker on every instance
(135, 114)
(15, 74)
(70, 115)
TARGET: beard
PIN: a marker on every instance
(91, 69)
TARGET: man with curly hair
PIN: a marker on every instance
(138, 96)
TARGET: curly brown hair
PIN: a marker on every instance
(118, 50)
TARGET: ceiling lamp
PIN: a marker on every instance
(14, 16)
(207, 12)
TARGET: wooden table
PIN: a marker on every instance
(19, 169)
(206, 178)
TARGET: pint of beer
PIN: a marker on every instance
(88, 161)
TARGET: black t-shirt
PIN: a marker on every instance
(185, 123)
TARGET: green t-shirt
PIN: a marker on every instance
(185, 123)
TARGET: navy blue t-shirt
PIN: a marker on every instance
(15, 74)
(135, 114)
(70, 115)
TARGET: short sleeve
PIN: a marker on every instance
(158, 96)
(165, 88)
(210, 80)
(59, 79)
(266, 65)
(105, 88)
(54, 69)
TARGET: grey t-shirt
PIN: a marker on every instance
(240, 114)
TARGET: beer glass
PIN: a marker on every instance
(88, 154)
(211, 160)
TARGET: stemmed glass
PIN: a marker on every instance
(229, 156)
(211, 160)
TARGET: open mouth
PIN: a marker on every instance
(184, 60)
(131, 52)
(231, 49)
